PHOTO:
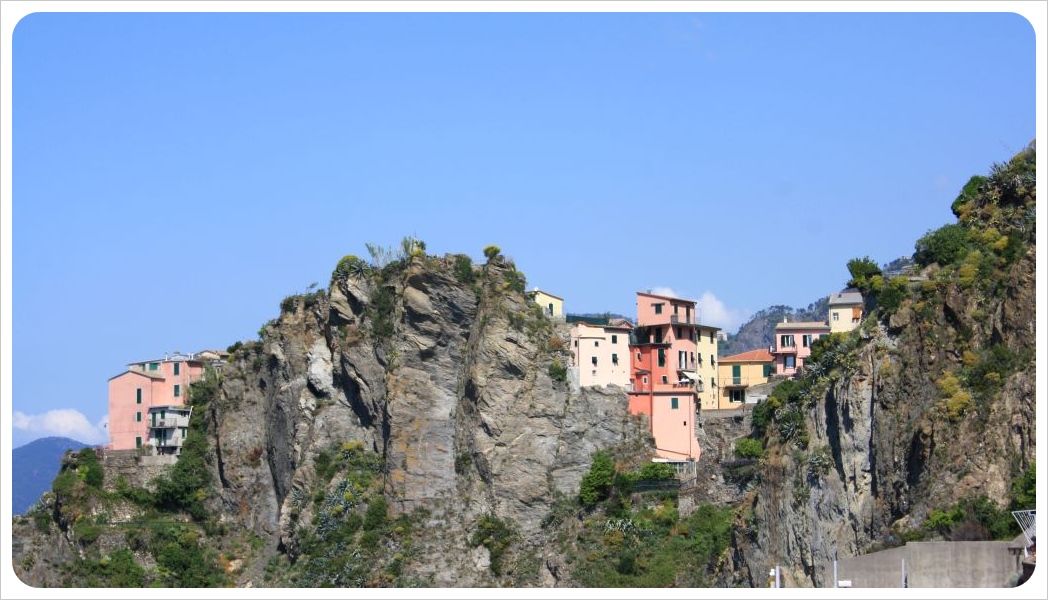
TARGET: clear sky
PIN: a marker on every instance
(175, 175)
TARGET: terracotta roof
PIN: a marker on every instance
(758, 355)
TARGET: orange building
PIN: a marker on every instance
(148, 385)
(665, 382)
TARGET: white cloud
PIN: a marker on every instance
(663, 291)
(713, 312)
(64, 422)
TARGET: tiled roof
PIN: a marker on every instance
(803, 325)
(667, 297)
(147, 374)
(758, 355)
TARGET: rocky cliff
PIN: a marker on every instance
(930, 404)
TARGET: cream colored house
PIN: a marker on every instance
(601, 353)
(845, 310)
(738, 372)
(552, 306)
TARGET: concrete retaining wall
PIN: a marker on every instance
(934, 565)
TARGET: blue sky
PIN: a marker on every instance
(175, 175)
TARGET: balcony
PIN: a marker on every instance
(169, 423)
(736, 382)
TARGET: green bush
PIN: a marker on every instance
(463, 269)
(558, 371)
(862, 271)
(496, 535)
(944, 246)
(596, 484)
(350, 265)
(749, 448)
(491, 252)
(890, 298)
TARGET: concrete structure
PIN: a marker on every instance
(738, 372)
(793, 344)
(601, 353)
(145, 385)
(168, 427)
(552, 306)
(933, 565)
(845, 310)
(669, 376)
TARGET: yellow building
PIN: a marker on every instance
(552, 306)
(739, 372)
(845, 310)
(706, 365)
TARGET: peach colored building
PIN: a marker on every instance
(845, 310)
(793, 344)
(144, 386)
(601, 353)
(740, 371)
(668, 366)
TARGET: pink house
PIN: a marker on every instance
(665, 381)
(793, 344)
(151, 384)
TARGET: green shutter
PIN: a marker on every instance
(138, 417)
(673, 403)
(138, 396)
(138, 442)
(178, 391)
(176, 368)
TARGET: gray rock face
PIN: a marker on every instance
(895, 454)
(457, 400)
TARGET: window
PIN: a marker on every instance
(658, 308)
(596, 343)
(679, 335)
(658, 335)
(835, 316)
(791, 362)
(594, 361)
(645, 380)
(736, 374)
(767, 370)
(737, 395)
(713, 360)
(614, 359)
(178, 390)
(549, 309)
(639, 358)
(711, 336)
(674, 404)
(576, 343)
(176, 368)
(138, 417)
(138, 442)
(614, 339)
(786, 341)
(806, 340)
(662, 357)
(665, 379)
(682, 359)
(184, 430)
(154, 366)
(138, 395)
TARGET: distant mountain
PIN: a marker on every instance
(34, 467)
(759, 331)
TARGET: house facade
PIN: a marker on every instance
(738, 372)
(600, 353)
(793, 344)
(146, 385)
(552, 306)
(845, 310)
(670, 372)
(168, 427)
